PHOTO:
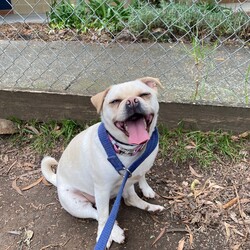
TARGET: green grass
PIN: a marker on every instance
(43, 137)
(178, 145)
(204, 148)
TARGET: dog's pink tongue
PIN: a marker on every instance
(137, 131)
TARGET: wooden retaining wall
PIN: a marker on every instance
(57, 106)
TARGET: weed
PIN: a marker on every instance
(199, 52)
(247, 84)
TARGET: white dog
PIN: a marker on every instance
(85, 177)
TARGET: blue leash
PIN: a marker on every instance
(119, 167)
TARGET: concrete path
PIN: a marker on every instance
(221, 78)
(17, 18)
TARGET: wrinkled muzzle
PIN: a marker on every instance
(137, 122)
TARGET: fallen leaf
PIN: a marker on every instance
(32, 184)
(172, 197)
(230, 203)
(194, 184)
(245, 134)
(28, 236)
(238, 232)
(193, 172)
(5, 159)
(160, 235)
(232, 215)
(228, 232)
(220, 59)
(213, 185)
(33, 129)
(14, 185)
(11, 166)
(181, 244)
(191, 237)
(235, 138)
(189, 147)
(15, 232)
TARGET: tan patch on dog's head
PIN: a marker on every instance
(152, 82)
(98, 99)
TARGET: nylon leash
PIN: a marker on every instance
(117, 164)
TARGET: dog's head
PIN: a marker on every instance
(129, 110)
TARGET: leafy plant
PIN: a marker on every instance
(63, 14)
(109, 14)
(180, 20)
(98, 14)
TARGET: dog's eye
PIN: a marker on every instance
(145, 95)
(116, 101)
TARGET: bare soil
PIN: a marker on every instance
(43, 32)
(205, 208)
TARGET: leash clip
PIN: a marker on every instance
(123, 171)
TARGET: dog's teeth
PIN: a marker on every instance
(145, 124)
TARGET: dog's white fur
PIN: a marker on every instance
(84, 176)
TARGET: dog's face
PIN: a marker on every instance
(129, 110)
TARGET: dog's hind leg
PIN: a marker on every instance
(132, 199)
(76, 203)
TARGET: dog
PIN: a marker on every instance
(85, 179)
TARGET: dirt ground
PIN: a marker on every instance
(205, 209)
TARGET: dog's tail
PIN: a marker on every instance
(47, 171)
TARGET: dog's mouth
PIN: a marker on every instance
(136, 127)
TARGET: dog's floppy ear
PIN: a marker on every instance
(152, 82)
(98, 99)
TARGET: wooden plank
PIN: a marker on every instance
(45, 106)
(57, 106)
(205, 117)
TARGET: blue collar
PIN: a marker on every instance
(112, 155)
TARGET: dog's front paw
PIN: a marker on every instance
(155, 208)
(117, 235)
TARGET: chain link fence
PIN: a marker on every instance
(198, 49)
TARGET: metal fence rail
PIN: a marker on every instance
(194, 61)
